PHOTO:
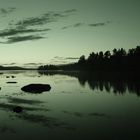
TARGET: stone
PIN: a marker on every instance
(12, 82)
(36, 88)
(18, 109)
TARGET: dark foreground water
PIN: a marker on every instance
(75, 108)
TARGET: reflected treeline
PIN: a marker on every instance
(92, 114)
(6, 129)
(117, 82)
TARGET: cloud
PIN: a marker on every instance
(58, 62)
(9, 64)
(43, 19)
(5, 11)
(78, 24)
(63, 60)
(65, 27)
(33, 21)
(11, 32)
(16, 39)
(18, 34)
(73, 26)
(99, 24)
(70, 11)
(32, 64)
(83, 24)
(29, 27)
(58, 57)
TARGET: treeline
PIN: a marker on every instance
(117, 60)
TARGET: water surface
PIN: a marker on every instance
(76, 107)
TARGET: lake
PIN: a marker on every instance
(76, 107)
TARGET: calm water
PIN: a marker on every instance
(75, 108)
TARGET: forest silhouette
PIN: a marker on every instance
(117, 60)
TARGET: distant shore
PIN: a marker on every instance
(16, 68)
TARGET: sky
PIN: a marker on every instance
(35, 32)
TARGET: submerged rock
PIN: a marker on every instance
(18, 109)
(36, 88)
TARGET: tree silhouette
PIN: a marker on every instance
(118, 60)
(82, 60)
(107, 54)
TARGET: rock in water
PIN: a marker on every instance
(12, 82)
(12, 76)
(18, 109)
(36, 88)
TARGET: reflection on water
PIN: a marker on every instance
(111, 82)
(72, 109)
(6, 129)
(78, 114)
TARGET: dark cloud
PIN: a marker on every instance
(83, 24)
(43, 19)
(70, 11)
(12, 63)
(29, 26)
(73, 26)
(11, 32)
(99, 24)
(16, 39)
(10, 35)
(65, 27)
(65, 58)
(33, 21)
(77, 24)
(5, 11)
(58, 57)
(33, 64)
(9, 64)
(58, 62)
